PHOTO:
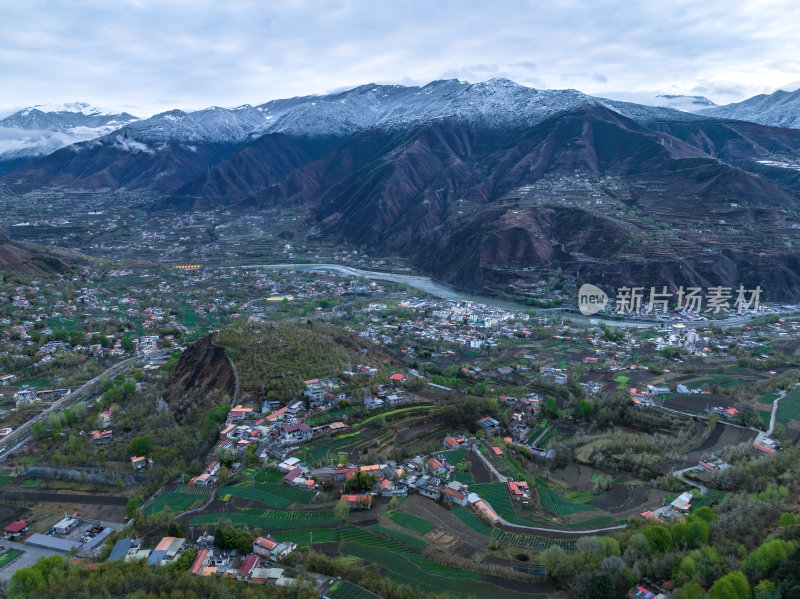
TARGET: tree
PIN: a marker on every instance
(250, 457)
(788, 523)
(554, 560)
(341, 511)
(659, 538)
(584, 410)
(731, 586)
(691, 591)
(697, 533)
(362, 481)
(132, 507)
(601, 586)
(173, 530)
(141, 446)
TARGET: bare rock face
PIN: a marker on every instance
(204, 375)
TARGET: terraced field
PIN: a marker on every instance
(265, 475)
(303, 537)
(319, 452)
(411, 522)
(789, 408)
(404, 538)
(532, 542)
(290, 493)
(404, 566)
(176, 501)
(341, 589)
(463, 477)
(768, 398)
(553, 502)
(270, 519)
(497, 495)
(253, 494)
(470, 519)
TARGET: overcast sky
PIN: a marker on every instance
(145, 56)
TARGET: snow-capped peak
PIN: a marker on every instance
(74, 107)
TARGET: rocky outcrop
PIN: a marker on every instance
(203, 376)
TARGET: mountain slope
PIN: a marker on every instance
(494, 104)
(27, 258)
(779, 109)
(40, 130)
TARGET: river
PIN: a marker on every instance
(447, 292)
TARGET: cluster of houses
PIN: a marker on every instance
(27, 396)
(466, 323)
(256, 567)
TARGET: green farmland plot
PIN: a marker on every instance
(789, 408)
(497, 495)
(404, 538)
(470, 519)
(553, 502)
(255, 494)
(464, 478)
(454, 456)
(9, 556)
(266, 475)
(290, 493)
(532, 542)
(411, 522)
(768, 398)
(176, 502)
(341, 589)
(405, 567)
(302, 538)
(270, 519)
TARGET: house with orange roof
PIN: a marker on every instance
(363, 502)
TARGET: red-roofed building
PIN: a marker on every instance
(397, 378)
(15, 529)
(455, 496)
(363, 502)
(292, 474)
(450, 443)
(497, 451)
(764, 449)
(250, 563)
(277, 414)
(344, 474)
(436, 466)
(199, 562)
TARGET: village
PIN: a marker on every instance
(446, 427)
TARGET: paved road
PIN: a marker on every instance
(679, 474)
(489, 465)
(26, 560)
(566, 531)
(20, 436)
(774, 413)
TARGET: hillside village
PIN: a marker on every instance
(464, 436)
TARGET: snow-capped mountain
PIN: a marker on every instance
(42, 129)
(493, 103)
(779, 109)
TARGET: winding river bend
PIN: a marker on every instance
(447, 292)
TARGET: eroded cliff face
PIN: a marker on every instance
(204, 375)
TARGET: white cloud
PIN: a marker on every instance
(145, 57)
